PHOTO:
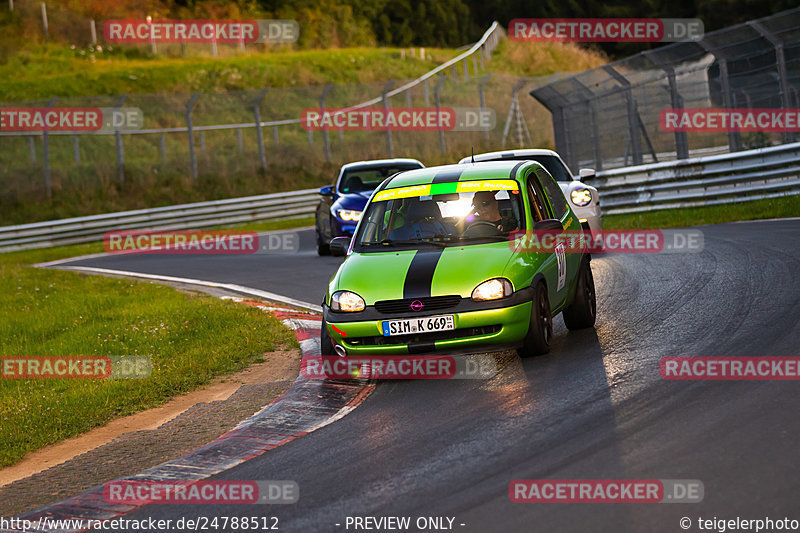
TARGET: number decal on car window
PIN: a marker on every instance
(561, 258)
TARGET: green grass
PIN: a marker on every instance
(782, 207)
(55, 70)
(190, 339)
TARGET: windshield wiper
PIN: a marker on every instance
(402, 242)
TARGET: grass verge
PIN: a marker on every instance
(781, 207)
(190, 339)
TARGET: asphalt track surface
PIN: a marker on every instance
(595, 407)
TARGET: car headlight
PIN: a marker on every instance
(349, 215)
(494, 289)
(347, 301)
(581, 196)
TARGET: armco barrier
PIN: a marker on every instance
(178, 217)
(718, 179)
(711, 180)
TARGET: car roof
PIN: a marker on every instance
(479, 171)
(380, 162)
(508, 154)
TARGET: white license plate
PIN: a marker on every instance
(426, 324)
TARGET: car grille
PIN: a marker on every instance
(431, 303)
(424, 337)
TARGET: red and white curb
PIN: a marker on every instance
(307, 405)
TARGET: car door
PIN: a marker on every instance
(568, 262)
(552, 265)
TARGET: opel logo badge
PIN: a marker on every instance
(416, 305)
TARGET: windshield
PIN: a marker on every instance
(367, 178)
(475, 212)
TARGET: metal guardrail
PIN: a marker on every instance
(178, 217)
(719, 179)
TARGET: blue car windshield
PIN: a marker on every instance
(367, 178)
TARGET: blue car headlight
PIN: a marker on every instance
(349, 215)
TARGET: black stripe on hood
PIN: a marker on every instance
(420, 274)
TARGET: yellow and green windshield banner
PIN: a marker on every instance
(446, 188)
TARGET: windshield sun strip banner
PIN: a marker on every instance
(446, 188)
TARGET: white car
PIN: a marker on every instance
(582, 198)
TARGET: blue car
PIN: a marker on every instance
(341, 205)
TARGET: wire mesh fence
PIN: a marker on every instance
(609, 116)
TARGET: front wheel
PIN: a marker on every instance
(325, 342)
(540, 330)
(322, 247)
(582, 312)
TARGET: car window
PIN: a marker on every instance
(536, 198)
(554, 192)
(360, 179)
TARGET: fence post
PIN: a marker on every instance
(262, 156)
(780, 61)
(44, 20)
(46, 156)
(32, 148)
(76, 149)
(192, 157)
(93, 29)
(388, 105)
(676, 101)
(633, 114)
(475, 63)
(482, 101)
(118, 138)
(325, 140)
(436, 89)
(11, 5)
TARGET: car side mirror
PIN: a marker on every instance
(586, 173)
(326, 190)
(339, 246)
(548, 224)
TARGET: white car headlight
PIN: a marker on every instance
(349, 215)
(347, 301)
(581, 196)
(493, 289)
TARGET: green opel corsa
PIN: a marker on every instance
(434, 266)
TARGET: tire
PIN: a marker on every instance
(582, 312)
(540, 330)
(325, 342)
(322, 247)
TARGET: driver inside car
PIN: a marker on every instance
(487, 210)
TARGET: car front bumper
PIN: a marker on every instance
(496, 328)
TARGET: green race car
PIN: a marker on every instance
(434, 266)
